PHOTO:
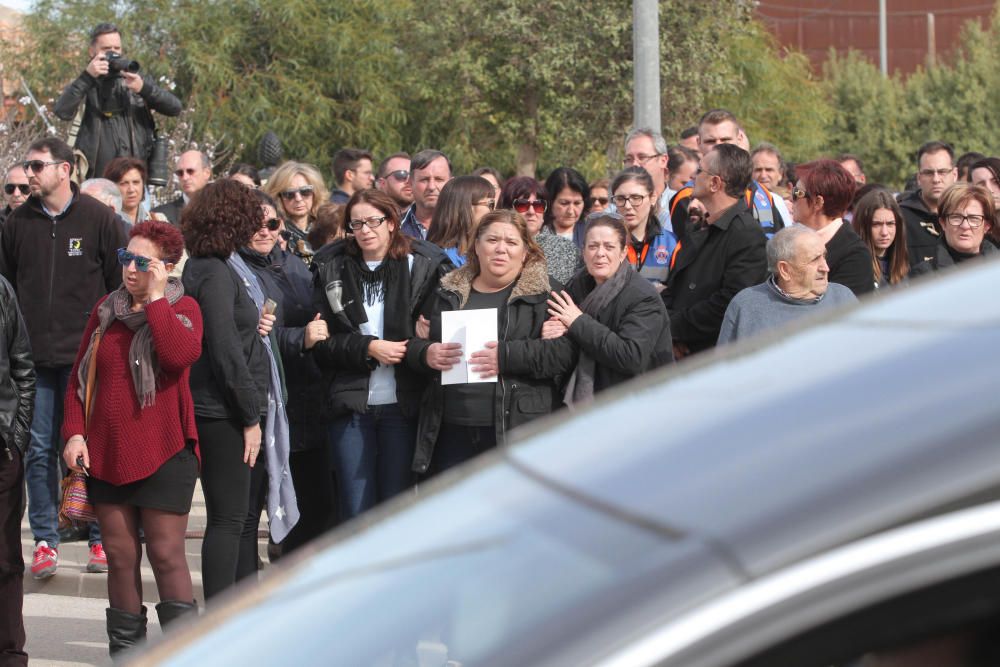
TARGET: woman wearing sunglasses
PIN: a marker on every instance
(822, 193)
(527, 197)
(463, 202)
(965, 214)
(599, 196)
(372, 285)
(297, 328)
(298, 189)
(568, 194)
(138, 440)
(237, 388)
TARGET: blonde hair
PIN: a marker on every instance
(282, 177)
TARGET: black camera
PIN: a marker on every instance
(117, 63)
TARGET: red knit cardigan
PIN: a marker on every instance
(127, 443)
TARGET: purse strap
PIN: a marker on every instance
(88, 398)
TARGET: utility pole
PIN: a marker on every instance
(646, 60)
(931, 41)
(883, 46)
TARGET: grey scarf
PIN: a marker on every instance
(141, 354)
(282, 507)
(580, 387)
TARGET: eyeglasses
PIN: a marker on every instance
(929, 173)
(304, 192)
(635, 200)
(701, 171)
(371, 222)
(125, 258)
(799, 193)
(956, 220)
(399, 175)
(273, 224)
(639, 159)
(37, 165)
(488, 203)
(190, 171)
(522, 205)
(22, 187)
(603, 201)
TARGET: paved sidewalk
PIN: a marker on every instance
(72, 578)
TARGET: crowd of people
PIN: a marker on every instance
(284, 341)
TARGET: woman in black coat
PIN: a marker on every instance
(297, 328)
(820, 198)
(369, 287)
(505, 270)
(621, 326)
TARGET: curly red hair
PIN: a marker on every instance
(164, 236)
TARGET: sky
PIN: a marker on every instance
(19, 5)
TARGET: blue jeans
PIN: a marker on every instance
(372, 454)
(42, 471)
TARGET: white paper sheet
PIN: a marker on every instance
(472, 329)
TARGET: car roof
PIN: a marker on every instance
(779, 448)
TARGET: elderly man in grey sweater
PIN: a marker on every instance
(797, 287)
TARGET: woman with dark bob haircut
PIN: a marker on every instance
(371, 286)
(526, 195)
(235, 384)
(129, 174)
(137, 436)
(569, 196)
(878, 220)
(821, 196)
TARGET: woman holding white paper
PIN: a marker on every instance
(371, 286)
(505, 271)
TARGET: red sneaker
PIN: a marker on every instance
(45, 561)
(98, 559)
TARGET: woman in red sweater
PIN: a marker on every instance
(139, 444)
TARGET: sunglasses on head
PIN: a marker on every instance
(522, 205)
(303, 192)
(272, 223)
(125, 258)
(10, 187)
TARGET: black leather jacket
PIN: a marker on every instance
(114, 115)
(17, 374)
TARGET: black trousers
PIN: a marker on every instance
(234, 497)
(11, 561)
(315, 493)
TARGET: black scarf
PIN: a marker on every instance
(389, 283)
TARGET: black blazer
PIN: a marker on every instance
(850, 261)
(172, 210)
(714, 263)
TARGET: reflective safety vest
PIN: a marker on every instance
(653, 261)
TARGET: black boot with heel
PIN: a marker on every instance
(125, 630)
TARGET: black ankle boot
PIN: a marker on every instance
(125, 630)
(169, 611)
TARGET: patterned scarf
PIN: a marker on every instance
(141, 355)
(282, 508)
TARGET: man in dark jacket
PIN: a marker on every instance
(17, 400)
(58, 250)
(935, 172)
(15, 190)
(117, 114)
(717, 259)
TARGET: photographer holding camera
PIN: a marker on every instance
(118, 103)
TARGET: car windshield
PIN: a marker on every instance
(489, 571)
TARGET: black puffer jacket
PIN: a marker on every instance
(343, 357)
(130, 127)
(945, 258)
(922, 230)
(286, 279)
(531, 369)
(17, 391)
(629, 337)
